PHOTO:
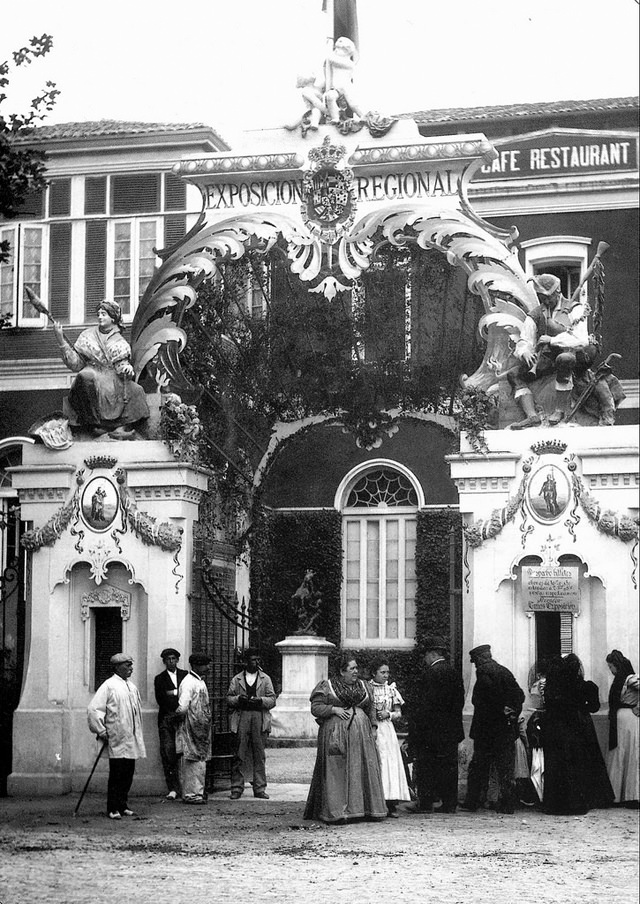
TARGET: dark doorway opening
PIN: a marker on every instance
(548, 642)
(108, 630)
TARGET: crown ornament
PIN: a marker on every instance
(328, 154)
(549, 447)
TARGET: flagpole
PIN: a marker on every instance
(327, 6)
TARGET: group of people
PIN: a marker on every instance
(362, 770)
(184, 727)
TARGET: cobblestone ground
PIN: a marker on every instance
(264, 851)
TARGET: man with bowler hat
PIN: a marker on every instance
(435, 729)
(166, 686)
(115, 716)
(497, 702)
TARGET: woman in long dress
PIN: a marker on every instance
(575, 775)
(622, 760)
(346, 782)
(388, 703)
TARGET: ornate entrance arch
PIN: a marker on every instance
(332, 204)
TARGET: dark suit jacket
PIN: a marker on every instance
(436, 720)
(164, 687)
(495, 688)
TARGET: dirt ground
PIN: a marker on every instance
(263, 851)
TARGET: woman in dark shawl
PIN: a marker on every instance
(347, 782)
(622, 760)
(575, 775)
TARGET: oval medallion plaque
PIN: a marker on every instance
(549, 493)
(99, 504)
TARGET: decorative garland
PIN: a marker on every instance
(180, 428)
(489, 528)
(55, 526)
(164, 534)
(608, 522)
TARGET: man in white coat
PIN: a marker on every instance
(115, 716)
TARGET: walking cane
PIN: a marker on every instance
(84, 790)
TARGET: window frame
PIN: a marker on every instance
(19, 230)
(382, 514)
(135, 222)
(557, 251)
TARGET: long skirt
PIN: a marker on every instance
(346, 783)
(394, 780)
(622, 761)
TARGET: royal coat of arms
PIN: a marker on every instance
(329, 203)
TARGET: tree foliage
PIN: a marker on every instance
(263, 349)
(22, 170)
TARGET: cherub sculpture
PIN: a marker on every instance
(339, 66)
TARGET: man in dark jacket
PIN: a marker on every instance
(166, 686)
(436, 730)
(497, 702)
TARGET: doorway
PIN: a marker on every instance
(554, 634)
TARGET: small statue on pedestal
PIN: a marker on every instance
(307, 604)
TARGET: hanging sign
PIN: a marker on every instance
(551, 588)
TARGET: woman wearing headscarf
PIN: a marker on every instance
(575, 775)
(104, 397)
(347, 782)
(622, 760)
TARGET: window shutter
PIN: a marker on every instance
(60, 198)
(32, 207)
(95, 263)
(175, 228)
(139, 193)
(175, 193)
(95, 194)
(59, 270)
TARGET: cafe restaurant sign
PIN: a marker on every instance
(550, 588)
(561, 152)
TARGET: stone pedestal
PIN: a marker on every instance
(304, 664)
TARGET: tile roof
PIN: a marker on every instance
(104, 128)
(510, 111)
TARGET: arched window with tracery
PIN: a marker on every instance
(379, 503)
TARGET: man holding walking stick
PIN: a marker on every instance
(115, 716)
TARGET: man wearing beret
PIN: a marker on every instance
(497, 702)
(115, 716)
(166, 686)
(435, 730)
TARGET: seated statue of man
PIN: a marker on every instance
(554, 339)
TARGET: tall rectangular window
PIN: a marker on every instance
(380, 583)
(108, 641)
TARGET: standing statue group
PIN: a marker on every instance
(330, 96)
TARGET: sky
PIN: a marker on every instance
(232, 64)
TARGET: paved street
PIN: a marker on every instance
(264, 851)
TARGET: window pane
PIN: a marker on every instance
(122, 268)
(373, 578)
(32, 269)
(352, 601)
(391, 585)
(7, 275)
(410, 579)
(147, 256)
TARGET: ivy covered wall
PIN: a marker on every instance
(286, 544)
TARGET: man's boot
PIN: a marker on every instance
(563, 404)
(532, 418)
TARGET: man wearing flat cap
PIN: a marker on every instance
(554, 338)
(166, 686)
(435, 729)
(193, 738)
(497, 702)
(115, 716)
